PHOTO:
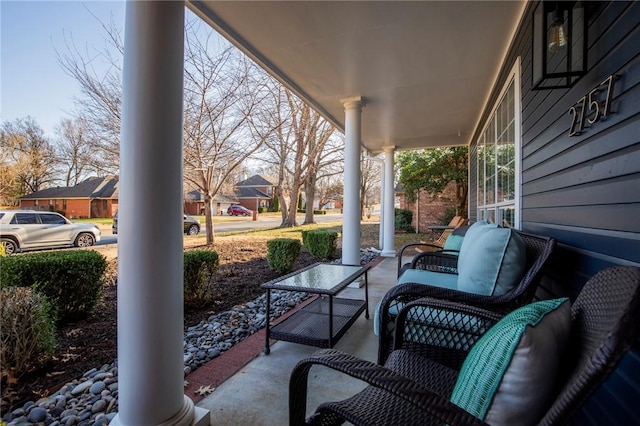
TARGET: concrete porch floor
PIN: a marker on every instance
(258, 393)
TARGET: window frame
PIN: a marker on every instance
(495, 208)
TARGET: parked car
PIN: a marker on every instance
(191, 224)
(22, 230)
(237, 210)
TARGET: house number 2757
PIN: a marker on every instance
(592, 107)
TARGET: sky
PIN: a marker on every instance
(32, 83)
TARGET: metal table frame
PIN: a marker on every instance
(307, 325)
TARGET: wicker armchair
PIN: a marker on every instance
(538, 251)
(413, 388)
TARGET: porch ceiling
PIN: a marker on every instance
(425, 68)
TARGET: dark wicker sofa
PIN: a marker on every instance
(414, 389)
(538, 251)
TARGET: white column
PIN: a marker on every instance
(351, 199)
(388, 249)
(150, 249)
(382, 216)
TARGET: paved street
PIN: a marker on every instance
(235, 224)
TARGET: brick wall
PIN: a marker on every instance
(429, 210)
(75, 208)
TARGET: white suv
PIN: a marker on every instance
(27, 229)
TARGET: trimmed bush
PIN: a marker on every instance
(199, 267)
(282, 253)
(262, 210)
(71, 280)
(27, 335)
(320, 243)
(403, 220)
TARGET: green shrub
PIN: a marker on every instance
(71, 280)
(319, 212)
(282, 253)
(403, 219)
(320, 242)
(275, 205)
(199, 267)
(27, 335)
(262, 210)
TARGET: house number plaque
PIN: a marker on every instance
(592, 107)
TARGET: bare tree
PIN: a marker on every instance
(278, 143)
(222, 90)
(74, 150)
(329, 188)
(324, 154)
(370, 175)
(99, 75)
(28, 159)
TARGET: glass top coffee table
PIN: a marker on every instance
(324, 321)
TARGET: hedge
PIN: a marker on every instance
(71, 280)
(282, 253)
(320, 242)
(199, 267)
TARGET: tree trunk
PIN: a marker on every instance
(462, 189)
(208, 208)
(290, 220)
(310, 191)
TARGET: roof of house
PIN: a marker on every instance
(195, 195)
(244, 192)
(95, 187)
(255, 180)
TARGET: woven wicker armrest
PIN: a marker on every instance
(431, 404)
(440, 330)
(401, 295)
(411, 245)
(438, 261)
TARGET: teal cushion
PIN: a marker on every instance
(474, 230)
(453, 242)
(491, 261)
(510, 374)
(436, 279)
(421, 277)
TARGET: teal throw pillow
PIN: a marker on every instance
(492, 260)
(510, 374)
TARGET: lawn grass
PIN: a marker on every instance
(369, 233)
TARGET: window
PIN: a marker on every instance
(64, 204)
(52, 219)
(24, 219)
(498, 158)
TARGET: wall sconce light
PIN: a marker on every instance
(559, 44)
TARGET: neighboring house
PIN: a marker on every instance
(428, 209)
(255, 192)
(93, 197)
(194, 203)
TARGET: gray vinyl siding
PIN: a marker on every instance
(584, 190)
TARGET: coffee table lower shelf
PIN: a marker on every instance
(310, 325)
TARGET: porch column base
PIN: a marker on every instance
(388, 253)
(189, 415)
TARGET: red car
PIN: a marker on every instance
(237, 210)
